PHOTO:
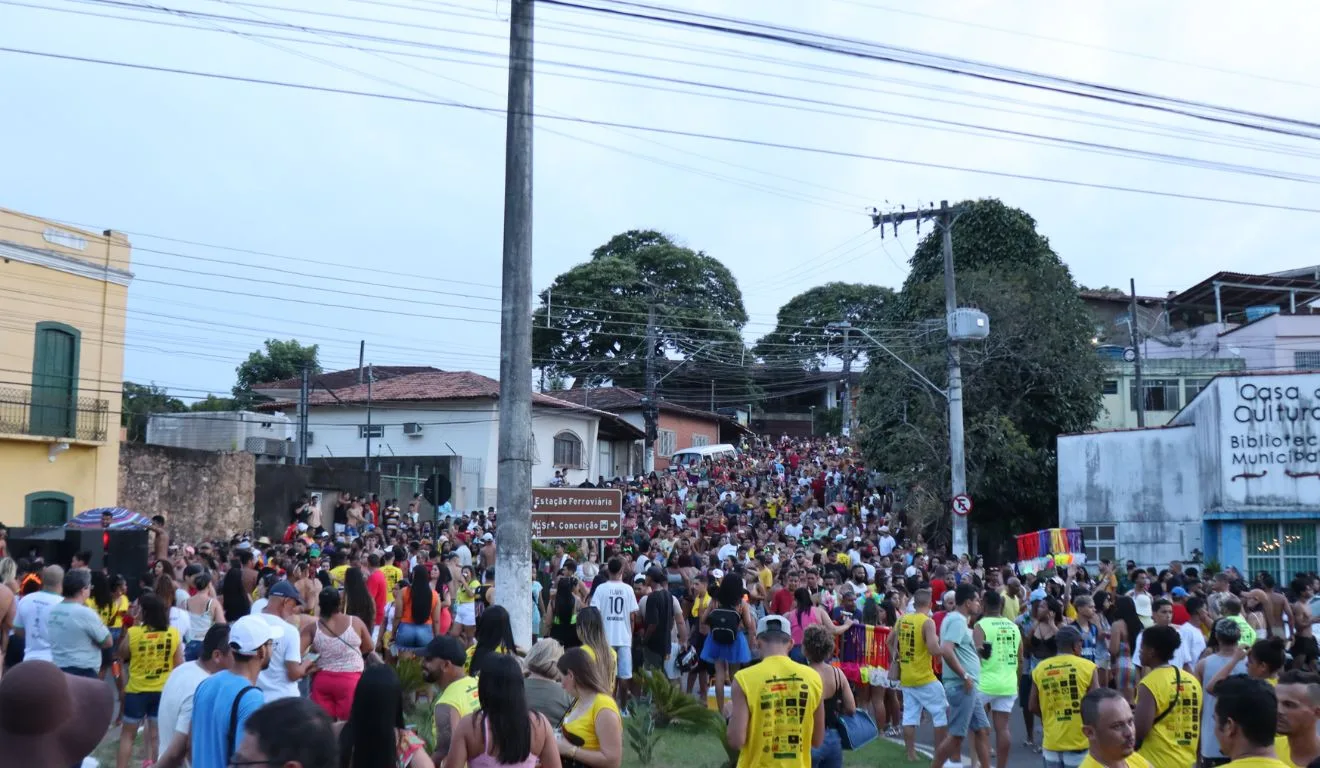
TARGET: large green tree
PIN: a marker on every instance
(803, 336)
(140, 401)
(1035, 377)
(591, 322)
(275, 361)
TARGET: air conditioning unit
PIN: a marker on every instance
(264, 446)
(412, 428)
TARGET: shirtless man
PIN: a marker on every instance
(1273, 605)
(308, 586)
(1304, 648)
(161, 548)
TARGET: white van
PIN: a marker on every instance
(695, 455)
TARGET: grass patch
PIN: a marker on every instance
(685, 747)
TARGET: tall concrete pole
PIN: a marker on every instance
(1135, 332)
(847, 380)
(957, 448)
(304, 396)
(651, 412)
(513, 499)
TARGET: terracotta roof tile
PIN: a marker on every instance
(347, 377)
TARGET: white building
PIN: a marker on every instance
(447, 422)
(1235, 475)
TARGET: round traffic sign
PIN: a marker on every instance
(962, 504)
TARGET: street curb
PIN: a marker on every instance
(929, 755)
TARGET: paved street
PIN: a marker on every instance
(1019, 757)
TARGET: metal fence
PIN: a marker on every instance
(82, 418)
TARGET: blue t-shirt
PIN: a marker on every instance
(212, 704)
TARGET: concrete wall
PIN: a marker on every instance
(202, 494)
(1143, 481)
(58, 274)
(277, 487)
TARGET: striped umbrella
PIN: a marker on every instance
(120, 519)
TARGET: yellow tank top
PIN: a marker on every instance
(112, 615)
(392, 577)
(698, 604)
(462, 696)
(1061, 682)
(584, 725)
(782, 697)
(916, 669)
(151, 657)
(1173, 739)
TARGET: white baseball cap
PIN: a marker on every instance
(248, 634)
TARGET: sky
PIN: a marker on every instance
(259, 211)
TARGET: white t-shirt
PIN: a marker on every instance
(793, 530)
(727, 551)
(616, 603)
(32, 612)
(464, 555)
(274, 680)
(176, 702)
(1188, 651)
(887, 544)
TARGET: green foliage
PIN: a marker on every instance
(642, 735)
(213, 403)
(597, 317)
(277, 360)
(802, 338)
(140, 401)
(422, 717)
(670, 707)
(828, 421)
(1037, 375)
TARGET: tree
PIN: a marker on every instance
(1035, 377)
(591, 323)
(140, 401)
(278, 360)
(802, 337)
(212, 403)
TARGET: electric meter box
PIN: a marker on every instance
(967, 324)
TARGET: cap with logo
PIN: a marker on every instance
(772, 625)
(447, 648)
(285, 589)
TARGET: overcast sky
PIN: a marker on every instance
(387, 216)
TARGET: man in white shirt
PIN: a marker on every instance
(793, 530)
(727, 549)
(887, 542)
(617, 603)
(174, 723)
(30, 623)
(280, 679)
(464, 555)
(1193, 643)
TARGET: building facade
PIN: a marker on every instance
(679, 427)
(63, 300)
(1234, 477)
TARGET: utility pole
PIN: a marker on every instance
(362, 353)
(650, 412)
(847, 373)
(712, 395)
(513, 498)
(304, 396)
(944, 217)
(1136, 351)
(366, 456)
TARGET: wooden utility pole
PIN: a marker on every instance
(513, 498)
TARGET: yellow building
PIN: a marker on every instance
(63, 302)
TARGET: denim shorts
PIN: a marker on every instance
(413, 637)
(1052, 759)
(965, 710)
(139, 706)
(830, 752)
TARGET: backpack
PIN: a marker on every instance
(724, 625)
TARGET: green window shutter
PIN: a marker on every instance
(47, 509)
(55, 380)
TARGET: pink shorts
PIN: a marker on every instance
(334, 692)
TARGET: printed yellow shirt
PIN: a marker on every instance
(1061, 682)
(782, 697)
(913, 655)
(1173, 740)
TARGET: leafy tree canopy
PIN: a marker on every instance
(591, 322)
(275, 361)
(213, 403)
(140, 401)
(1035, 377)
(803, 338)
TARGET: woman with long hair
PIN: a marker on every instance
(593, 728)
(419, 611)
(836, 695)
(357, 600)
(204, 610)
(341, 642)
(1168, 711)
(465, 616)
(164, 587)
(1123, 631)
(504, 732)
(374, 735)
(560, 620)
(151, 648)
(110, 601)
(233, 597)
(1103, 608)
(806, 613)
(727, 615)
(591, 636)
(542, 683)
(494, 636)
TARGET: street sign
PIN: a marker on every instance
(576, 513)
(962, 505)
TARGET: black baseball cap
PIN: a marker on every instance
(447, 648)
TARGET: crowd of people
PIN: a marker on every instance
(781, 587)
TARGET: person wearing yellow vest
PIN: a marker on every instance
(1110, 731)
(1246, 714)
(910, 646)
(151, 648)
(1298, 694)
(1001, 655)
(1057, 687)
(777, 712)
(442, 664)
(1168, 710)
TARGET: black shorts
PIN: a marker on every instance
(1305, 650)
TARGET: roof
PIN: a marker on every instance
(624, 399)
(1238, 290)
(1118, 297)
(430, 385)
(346, 378)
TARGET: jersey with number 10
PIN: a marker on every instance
(616, 603)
